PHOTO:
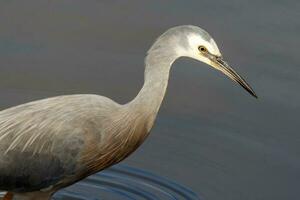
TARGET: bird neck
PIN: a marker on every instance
(149, 99)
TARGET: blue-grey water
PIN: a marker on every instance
(123, 182)
(210, 135)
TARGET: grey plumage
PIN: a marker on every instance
(51, 143)
(50, 132)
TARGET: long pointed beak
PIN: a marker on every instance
(228, 71)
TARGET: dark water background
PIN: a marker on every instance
(122, 182)
(210, 135)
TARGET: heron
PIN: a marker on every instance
(49, 144)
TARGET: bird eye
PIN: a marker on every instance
(202, 49)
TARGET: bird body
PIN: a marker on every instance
(53, 142)
(49, 144)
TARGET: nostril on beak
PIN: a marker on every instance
(219, 58)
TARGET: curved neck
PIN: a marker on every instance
(157, 68)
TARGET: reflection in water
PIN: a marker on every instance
(122, 182)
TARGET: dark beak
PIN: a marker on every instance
(228, 71)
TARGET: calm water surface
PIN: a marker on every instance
(210, 136)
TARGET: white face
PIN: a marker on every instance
(203, 48)
(209, 53)
(195, 42)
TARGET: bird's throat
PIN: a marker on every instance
(156, 77)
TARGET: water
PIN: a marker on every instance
(122, 182)
(210, 135)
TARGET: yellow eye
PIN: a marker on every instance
(202, 49)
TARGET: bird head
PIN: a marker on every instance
(194, 42)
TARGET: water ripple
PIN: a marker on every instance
(122, 182)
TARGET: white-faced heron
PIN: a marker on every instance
(49, 144)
